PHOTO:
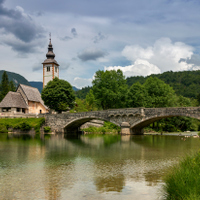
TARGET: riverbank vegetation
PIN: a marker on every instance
(183, 181)
(108, 127)
(24, 124)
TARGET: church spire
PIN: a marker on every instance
(50, 54)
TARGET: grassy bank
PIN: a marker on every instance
(108, 127)
(24, 124)
(183, 182)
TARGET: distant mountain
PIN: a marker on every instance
(74, 88)
(39, 86)
(16, 78)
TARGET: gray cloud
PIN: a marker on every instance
(21, 47)
(91, 54)
(99, 37)
(64, 66)
(40, 13)
(36, 68)
(18, 23)
(66, 38)
(194, 60)
(74, 33)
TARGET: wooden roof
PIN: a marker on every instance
(32, 94)
(13, 100)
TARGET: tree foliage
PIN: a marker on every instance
(186, 83)
(6, 85)
(160, 94)
(110, 89)
(58, 95)
(156, 93)
(137, 96)
(81, 94)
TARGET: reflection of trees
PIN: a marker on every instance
(100, 140)
(57, 178)
(59, 167)
(110, 176)
(52, 183)
(110, 183)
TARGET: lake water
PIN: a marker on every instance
(104, 167)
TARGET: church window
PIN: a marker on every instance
(55, 69)
(48, 68)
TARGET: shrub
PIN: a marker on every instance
(39, 124)
(24, 126)
(47, 129)
(107, 127)
(3, 128)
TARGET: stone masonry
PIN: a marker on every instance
(136, 118)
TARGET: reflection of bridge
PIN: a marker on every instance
(131, 120)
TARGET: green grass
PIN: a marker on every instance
(23, 124)
(107, 127)
(183, 182)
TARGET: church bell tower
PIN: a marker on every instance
(50, 66)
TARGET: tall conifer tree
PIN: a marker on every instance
(5, 84)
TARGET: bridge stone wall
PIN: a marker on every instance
(137, 118)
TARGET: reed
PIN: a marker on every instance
(183, 181)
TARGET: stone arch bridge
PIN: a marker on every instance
(131, 120)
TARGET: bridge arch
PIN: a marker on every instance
(74, 125)
(137, 127)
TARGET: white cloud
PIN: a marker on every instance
(160, 57)
(140, 67)
(82, 82)
(134, 52)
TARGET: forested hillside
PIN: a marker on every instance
(81, 94)
(186, 83)
(16, 78)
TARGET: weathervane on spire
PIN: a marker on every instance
(50, 37)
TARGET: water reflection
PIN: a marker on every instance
(110, 183)
(89, 167)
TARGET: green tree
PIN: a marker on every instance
(58, 95)
(91, 101)
(12, 86)
(110, 89)
(80, 106)
(160, 94)
(81, 94)
(137, 96)
(5, 88)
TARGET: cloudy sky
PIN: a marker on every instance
(140, 37)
